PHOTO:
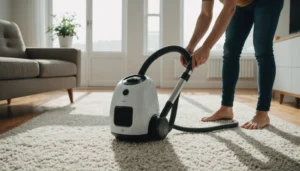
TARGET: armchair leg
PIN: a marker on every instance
(281, 98)
(298, 102)
(70, 92)
(8, 101)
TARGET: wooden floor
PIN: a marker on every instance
(23, 109)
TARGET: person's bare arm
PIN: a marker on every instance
(203, 22)
(201, 55)
(222, 23)
(202, 25)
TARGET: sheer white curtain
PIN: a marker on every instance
(38, 23)
(30, 15)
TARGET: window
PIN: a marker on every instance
(61, 7)
(107, 25)
(103, 20)
(191, 12)
(152, 25)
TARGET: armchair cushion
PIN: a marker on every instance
(11, 41)
(56, 68)
(14, 68)
(63, 54)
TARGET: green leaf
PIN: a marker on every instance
(66, 27)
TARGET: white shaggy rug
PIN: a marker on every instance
(77, 137)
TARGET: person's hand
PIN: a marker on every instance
(190, 49)
(200, 56)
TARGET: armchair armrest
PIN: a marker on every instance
(65, 54)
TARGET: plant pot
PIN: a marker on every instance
(66, 41)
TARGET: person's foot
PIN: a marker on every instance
(259, 121)
(224, 113)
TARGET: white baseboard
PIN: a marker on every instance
(103, 83)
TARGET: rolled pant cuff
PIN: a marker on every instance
(261, 108)
(227, 104)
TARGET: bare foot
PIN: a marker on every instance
(260, 120)
(224, 113)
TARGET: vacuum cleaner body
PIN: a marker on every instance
(134, 103)
(134, 111)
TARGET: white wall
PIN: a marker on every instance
(5, 8)
(284, 20)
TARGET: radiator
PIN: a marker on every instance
(247, 68)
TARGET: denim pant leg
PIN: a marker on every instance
(236, 35)
(266, 16)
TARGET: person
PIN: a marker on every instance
(237, 19)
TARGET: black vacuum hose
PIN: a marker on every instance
(187, 57)
(195, 130)
(162, 52)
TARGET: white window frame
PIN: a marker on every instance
(146, 15)
(111, 54)
(89, 34)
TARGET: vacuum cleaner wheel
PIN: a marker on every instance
(158, 128)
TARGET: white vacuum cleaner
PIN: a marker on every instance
(134, 111)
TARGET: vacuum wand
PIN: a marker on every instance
(176, 92)
(178, 88)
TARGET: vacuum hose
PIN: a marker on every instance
(162, 52)
(172, 105)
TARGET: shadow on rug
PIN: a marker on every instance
(146, 156)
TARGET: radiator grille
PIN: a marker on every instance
(247, 68)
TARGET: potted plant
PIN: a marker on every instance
(64, 30)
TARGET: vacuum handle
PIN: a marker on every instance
(164, 51)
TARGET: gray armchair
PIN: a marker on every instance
(27, 71)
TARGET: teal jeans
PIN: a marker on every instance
(264, 15)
